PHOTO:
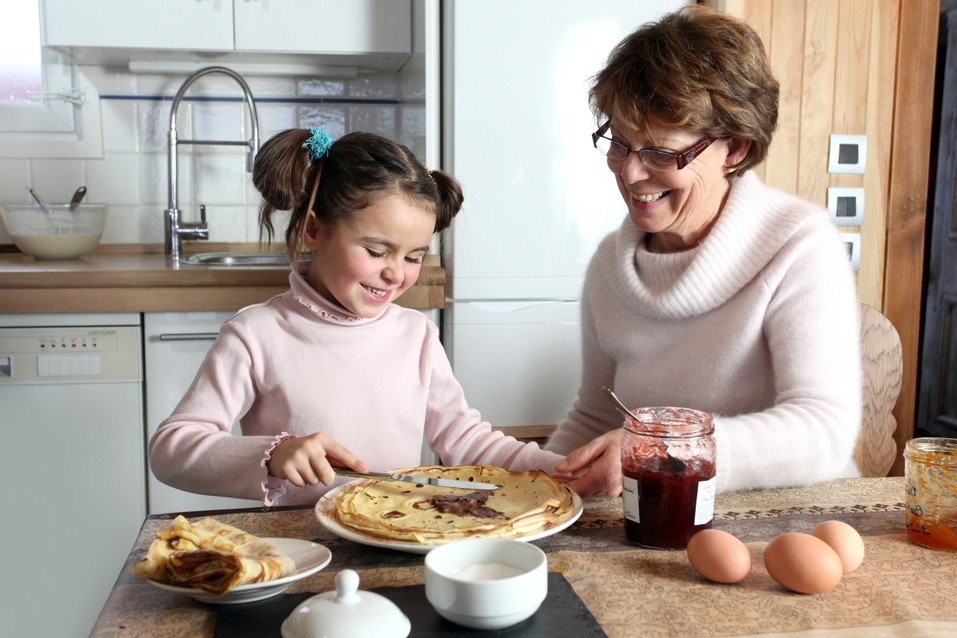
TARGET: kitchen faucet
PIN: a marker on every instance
(175, 229)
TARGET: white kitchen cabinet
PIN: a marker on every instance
(357, 27)
(176, 344)
(145, 24)
(323, 26)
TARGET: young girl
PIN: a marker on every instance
(331, 373)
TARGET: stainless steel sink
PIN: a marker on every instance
(243, 259)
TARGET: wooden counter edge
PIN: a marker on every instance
(169, 299)
(146, 285)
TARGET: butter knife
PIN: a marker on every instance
(423, 480)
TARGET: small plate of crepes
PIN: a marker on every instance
(213, 562)
(416, 518)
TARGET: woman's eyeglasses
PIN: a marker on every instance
(654, 158)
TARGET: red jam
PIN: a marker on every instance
(666, 506)
(668, 471)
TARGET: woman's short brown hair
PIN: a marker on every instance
(695, 69)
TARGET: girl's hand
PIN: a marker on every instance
(306, 460)
(596, 466)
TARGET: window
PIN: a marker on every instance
(21, 78)
(47, 107)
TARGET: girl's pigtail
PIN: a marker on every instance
(449, 198)
(286, 173)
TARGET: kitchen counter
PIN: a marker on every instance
(901, 589)
(108, 281)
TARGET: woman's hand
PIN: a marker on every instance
(306, 460)
(596, 466)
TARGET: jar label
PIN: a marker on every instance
(629, 498)
(704, 505)
(704, 500)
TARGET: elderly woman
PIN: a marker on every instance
(717, 292)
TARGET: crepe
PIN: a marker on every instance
(526, 502)
(212, 556)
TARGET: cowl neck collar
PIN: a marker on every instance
(752, 227)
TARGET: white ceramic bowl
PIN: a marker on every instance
(486, 583)
(57, 232)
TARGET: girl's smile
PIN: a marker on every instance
(370, 258)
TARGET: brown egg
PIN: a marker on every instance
(844, 540)
(719, 556)
(803, 563)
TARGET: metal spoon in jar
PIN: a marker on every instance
(618, 403)
(676, 465)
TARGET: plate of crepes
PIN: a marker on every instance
(414, 517)
(217, 563)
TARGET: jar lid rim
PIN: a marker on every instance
(927, 447)
(669, 430)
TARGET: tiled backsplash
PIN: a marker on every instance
(132, 175)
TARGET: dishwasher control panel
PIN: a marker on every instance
(69, 355)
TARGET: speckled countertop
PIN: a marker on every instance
(901, 589)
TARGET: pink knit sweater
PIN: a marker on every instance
(758, 325)
(299, 364)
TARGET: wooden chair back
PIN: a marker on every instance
(882, 370)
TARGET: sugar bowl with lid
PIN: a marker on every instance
(346, 612)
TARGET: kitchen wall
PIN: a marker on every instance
(132, 174)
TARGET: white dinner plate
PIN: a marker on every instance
(326, 513)
(309, 558)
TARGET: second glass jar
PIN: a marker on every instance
(930, 476)
(668, 468)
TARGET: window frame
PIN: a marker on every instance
(67, 123)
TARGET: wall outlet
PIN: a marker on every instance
(847, 154)
(846, 205)
(853, 243)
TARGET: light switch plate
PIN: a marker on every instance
(846, 205)
(853, 242)
(848, 154)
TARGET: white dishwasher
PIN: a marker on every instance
(73, 470)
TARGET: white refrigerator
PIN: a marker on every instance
(516, 131)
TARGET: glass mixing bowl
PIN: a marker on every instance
(55, 231)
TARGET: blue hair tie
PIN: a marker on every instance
(318, 143)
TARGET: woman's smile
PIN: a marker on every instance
(649, 198)
(679, 205)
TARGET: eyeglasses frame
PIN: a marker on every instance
(682, 159)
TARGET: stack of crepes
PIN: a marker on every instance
(526, 503)
(212, 556)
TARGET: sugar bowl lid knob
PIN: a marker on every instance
(347, 588)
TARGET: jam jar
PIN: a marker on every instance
(668, 475)
(930, 476)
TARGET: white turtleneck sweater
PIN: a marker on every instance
(758, 325)
(300, 364)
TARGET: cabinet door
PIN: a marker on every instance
(323, 26)
(176, 344)
(144, 24)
